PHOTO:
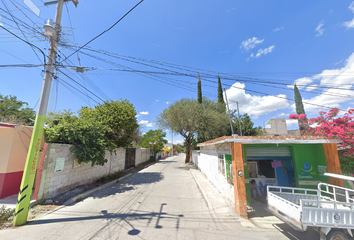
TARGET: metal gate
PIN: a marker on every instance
(130, 158)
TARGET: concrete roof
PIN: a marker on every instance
(270, 140)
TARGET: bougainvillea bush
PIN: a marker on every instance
(330, 125)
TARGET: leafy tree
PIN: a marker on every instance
(331, 126)
(188, 117)
(154, 139)
(247, 125)
(13, 110)
(110, 125)
(180, 148)
(89, 138)
(120, 119)
(200, 99)
(299, 107)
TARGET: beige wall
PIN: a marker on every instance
(141, 155)
(6, 139)
(55, 183)
(18, 155)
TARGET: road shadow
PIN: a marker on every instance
(129, 184)
(151, 218)
(259, 211)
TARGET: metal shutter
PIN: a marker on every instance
(268, 151)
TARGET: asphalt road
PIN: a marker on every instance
(162, 201)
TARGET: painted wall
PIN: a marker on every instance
(312, 154)
(207, 162)
(73, 175)
(142, 155)
(14, 142)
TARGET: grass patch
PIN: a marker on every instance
(5, 214)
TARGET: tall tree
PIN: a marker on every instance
(13, 110)
(188, 118)
(200, 98)
(299, 107)
(220, 95)
(221, 102)
(154, 139)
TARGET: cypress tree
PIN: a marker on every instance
(220, 96)
(199, 90)
(299, 106)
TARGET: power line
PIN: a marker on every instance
(105, 30)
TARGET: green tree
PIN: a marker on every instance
(299, 107)
(247, 125)
(110, 125)
(200, 98)
(120, 119)
(13, 110)
(89, 138)
(154, 139)
(222, 105)
(188, 117)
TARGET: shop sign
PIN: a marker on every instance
(307, 171)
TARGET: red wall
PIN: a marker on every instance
(10, 184)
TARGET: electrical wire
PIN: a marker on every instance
(105, 30)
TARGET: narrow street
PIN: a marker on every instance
(163, 201)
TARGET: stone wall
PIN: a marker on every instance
(73, 175)
(142, 155)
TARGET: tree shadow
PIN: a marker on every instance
(130, 183)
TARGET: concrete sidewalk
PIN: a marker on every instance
(259, 218)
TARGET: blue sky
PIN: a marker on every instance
(260, 48)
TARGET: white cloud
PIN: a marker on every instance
(301, 82)
(350, 24)
(251, 43)
(252, 104)
(167, 102)
(143, 122)
(262, 52)
(144, 113)
(351, 6)
(156, 100)
(150, 125)
(138, 115)
(311, 87)
(290, 122)
(319, 29)
(283, 115)
(278, 29)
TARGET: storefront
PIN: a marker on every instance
(290, 161)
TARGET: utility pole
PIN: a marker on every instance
(24, 196)
(228, 110)
(239, 119)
